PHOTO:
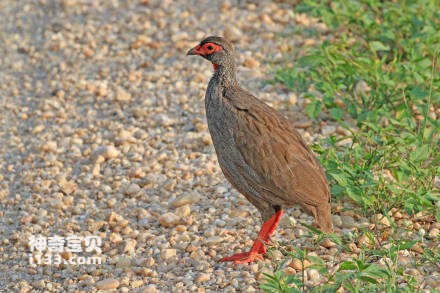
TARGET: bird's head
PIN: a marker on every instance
(218, 50)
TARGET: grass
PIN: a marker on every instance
(380, 71)
(377, 75)
(377, 268)
(357, 275)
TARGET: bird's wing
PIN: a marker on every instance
(272, 147)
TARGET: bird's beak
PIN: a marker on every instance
(195, 51)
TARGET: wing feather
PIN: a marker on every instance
(274, 150)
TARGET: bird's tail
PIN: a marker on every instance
(324, 217)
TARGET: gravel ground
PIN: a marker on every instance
(103, 133)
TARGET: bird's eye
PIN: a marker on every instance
(210, 47)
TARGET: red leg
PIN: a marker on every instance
(258, 248)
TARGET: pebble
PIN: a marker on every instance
(365, 241)
(327, 243)
(123, 262)
(313, 275)
(298, 265)
(124, 137)
(168, 253)
(337, 221)
(290, 271)
(404, 261)
(413, 272)
(343, 131)
(436, 184)
(37, 129)
(213, 240)
(232, 33)
(302, 124)
(381, 219)
(106, 151)
(183, 211)
(136, 283)
(347, 222)
(417, 248)
(327, 130)
(251, 63)
(132, 189)
(186, 199)
(130, 246)
(50, 147)
(265, 18)
(276, 255)
(122, 95)
(165, 120)
(67, 187)
(221, 189)
(151, 289)
(361, 88)
(293, 98)
(203, 278)
(433, 282)
(107, 284)
(102, 90)
(433, 233)
(169, 219)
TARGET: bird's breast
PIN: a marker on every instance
(219, 117)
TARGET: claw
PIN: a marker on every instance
(244, 257)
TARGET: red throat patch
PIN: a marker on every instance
(215, 66)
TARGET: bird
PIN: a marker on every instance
(259, 151)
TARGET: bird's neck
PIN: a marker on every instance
(225, 74)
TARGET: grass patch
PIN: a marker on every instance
(381, 265)
(357, 275)
(377, 75)
(379, 72)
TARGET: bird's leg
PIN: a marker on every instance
(258, 248)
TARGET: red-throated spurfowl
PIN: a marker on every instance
(259, 151)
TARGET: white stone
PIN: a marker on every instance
(186, 199)
(50, 146)
(107, 284)
(132, 189)
(106, 151)
(313, 275)
(183, 211)
(328, 129)
(165, 120)
(203, 277)
(169, 219)
(122, 95)
(232, 33)
(347, 221)
(168, 253)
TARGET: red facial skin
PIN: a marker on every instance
(205, 50)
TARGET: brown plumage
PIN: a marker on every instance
(259, 151)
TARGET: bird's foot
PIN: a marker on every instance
(258, 248)
(244, 257)
(256, 253)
